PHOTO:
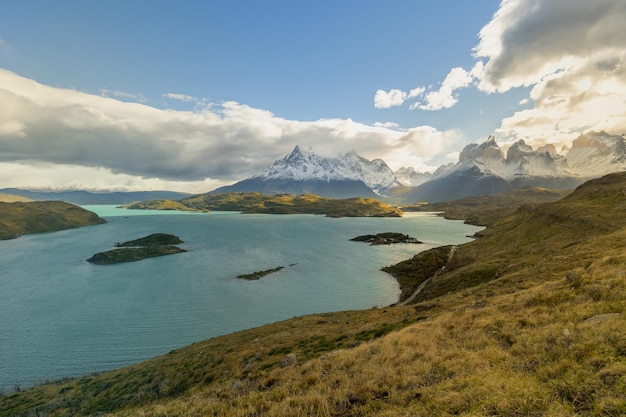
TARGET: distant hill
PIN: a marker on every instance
(528, 320)
(20, 218)
(275, 204)
(12, 198)
(82, 197)
(484, 210)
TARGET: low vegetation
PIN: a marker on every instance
(157, 244)
(248, 203)
(12, 198)
(528, 320)
(260, 274)
(387, 238)
(155, 239)
(20, 218)
(485, 210)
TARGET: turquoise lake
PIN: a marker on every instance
(61, 316)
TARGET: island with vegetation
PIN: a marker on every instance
(387, 238)
(254, 202)
(260, 274)
(157, 244)
(527, 320)
(19, 218)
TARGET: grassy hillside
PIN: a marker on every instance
(19, 218)
(12, 198)
(276, 204)
(484, 210)
(528, 320)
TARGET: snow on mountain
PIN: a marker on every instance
(482, 169)
(596, 154)
(522, 161)
(303, 165)
(409, 177)
(486, 156)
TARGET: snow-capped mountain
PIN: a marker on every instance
(596, 154)
(409, 177)
(302, 171)
(483, 169)
(301, 165)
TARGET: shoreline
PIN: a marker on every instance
(344, 307)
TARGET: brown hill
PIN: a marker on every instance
(20, 218)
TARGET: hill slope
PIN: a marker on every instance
(528, 320)
(19, 218)
(254, 202)
(485, 209)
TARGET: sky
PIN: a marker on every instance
(195, 94)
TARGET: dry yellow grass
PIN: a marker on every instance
(543, 333)
(556, 347)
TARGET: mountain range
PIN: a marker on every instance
(305, 172)
(83, 197)
(482, 169)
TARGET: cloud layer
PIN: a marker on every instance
(572, 53)
(98, 138)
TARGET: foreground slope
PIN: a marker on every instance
(526, 321)
(19, 218)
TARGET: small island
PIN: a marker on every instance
(157, 244)
(259, 274)
(387, 238)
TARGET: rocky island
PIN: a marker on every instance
(157, 244)
(259, 274)
(386, 238)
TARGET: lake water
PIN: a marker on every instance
(61, 316)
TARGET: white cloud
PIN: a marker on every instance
(416, 92)
(528, 40)
(181, 97)
(386, 99)
(122, 95)
(444, 97)
(393, 98)
(110, 142)
(390, 125)
(573, 55)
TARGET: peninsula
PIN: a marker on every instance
(19, 218)
(253, 202)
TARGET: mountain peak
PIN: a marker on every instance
(302, 166)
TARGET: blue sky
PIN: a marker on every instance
(195, 94)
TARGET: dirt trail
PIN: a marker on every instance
(423, 284)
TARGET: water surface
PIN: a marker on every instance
(61, 316)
